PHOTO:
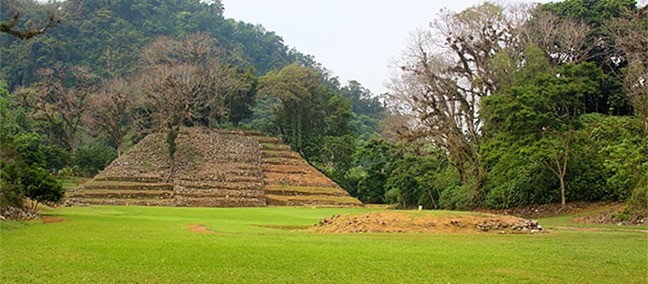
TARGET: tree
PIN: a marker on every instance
(363, 102)
(59, 101)
(630, 34)
(538, 112)
(303, 97)
(110, 111)
(17, 27)
(603, 50)
(23, 160)
(184, 82)
(443, 80)
(40, 186)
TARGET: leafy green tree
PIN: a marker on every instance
(537, 114)
(40, 186)
(90, 159)
(308, 111)
(602, 48)
(23, 161)
(372, 170)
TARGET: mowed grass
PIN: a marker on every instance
(266, 245)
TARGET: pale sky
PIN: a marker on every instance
(355, 39)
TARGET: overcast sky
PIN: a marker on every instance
(355, 39)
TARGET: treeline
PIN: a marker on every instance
(110, 72)
(495, 106)
(516, 105)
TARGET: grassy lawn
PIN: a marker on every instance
(254, 245)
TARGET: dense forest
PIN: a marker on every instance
(496, 106)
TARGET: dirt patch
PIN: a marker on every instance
(408, 222)
(200, 229)
(52, 219)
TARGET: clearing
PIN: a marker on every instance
(278, 245)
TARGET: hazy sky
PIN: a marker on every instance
(355, 39)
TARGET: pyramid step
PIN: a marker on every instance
(282, 161)
(217, 193)
(258, 184)
(269, 140)
(113, 185)
(305, 191)
(124, 201)
(128, 194)
(311, 200)
(220, 202)
(286, 154)
(141, 179)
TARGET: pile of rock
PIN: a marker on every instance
(13, 213)
(327, 221)
(406, 222)
(525, 226)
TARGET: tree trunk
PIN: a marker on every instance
(563, 201)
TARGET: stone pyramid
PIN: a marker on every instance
(213, 168)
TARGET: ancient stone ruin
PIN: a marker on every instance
(213, 168)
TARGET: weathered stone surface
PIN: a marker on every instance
(213, 168)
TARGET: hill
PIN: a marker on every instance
(107, 35)
(213, 168)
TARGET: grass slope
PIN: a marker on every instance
(155, 244)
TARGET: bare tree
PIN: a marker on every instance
(59, 106)
(562, 39)
(444, 73)
(631, 37)
(17, 26)
(183, 82)
(110, 111)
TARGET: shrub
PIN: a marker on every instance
(41, 186)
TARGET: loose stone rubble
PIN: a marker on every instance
(406, 222)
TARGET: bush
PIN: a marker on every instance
(11, 193)
(41, 186)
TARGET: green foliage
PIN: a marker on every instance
(11, 187)
(613, 154)
(307, 113)
(372, 170)
(107, 35)
(90, 159)
(239, 103)
(41, 186)
(533, 127)
(415, 180)
(596, 13)
(23, 160)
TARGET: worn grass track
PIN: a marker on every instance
(265, 245)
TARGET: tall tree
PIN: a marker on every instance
(538, 112)
(445, 73)
(110, 111)
(630, 34)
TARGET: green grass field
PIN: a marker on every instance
(267, 245)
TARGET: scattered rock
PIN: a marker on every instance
(403, 221)
(14, 213)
